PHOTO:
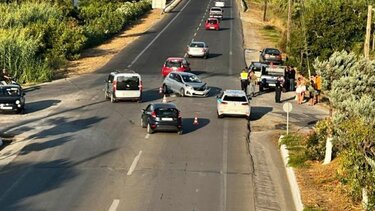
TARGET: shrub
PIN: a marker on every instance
(297, 154)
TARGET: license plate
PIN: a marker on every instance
(167, 119)
(6, 107)
(174, 68)
(211, 27)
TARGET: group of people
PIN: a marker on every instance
(248, 80)
(314, 88)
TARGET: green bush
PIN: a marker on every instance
(296, 145)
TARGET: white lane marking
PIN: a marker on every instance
(200, 24)
(134, 164)
(224, 169)
(147, 136)
(157, 36)
(195, 34)
(230, 40)
(114, 205)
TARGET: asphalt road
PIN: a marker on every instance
(80, 152)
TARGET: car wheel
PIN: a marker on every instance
(149, 129)
(20, 111)
(180, 132)
(165, 89)
(205, 56)
(143, 125)
(182, 92)
(139, 100)
(113, 99)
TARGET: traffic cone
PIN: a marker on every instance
(195, 120)
(164, 99)
(160, 90)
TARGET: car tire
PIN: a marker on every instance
(205, 56)
(139, 100)
(20, 111)
(180, 132)
(149, 129)
(182, 92)
(143, 125)
(113, 99)
(165, 89)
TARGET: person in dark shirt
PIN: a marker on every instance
(292, 77)
(4, 77)
(278, 89)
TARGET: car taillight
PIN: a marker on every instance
(153, 114)
(114, 84)
(140, 85)
(224, 102)
(179, 115)
(266, 56)
(244, 103)
(203, 50)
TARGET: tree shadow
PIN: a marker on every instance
(137, 34)
(36, 147)
(258, 112)
(31, 88)
(40, 105)
(189, 126)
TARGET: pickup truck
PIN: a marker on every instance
(269, 75)
(216, 12)
(220, 3)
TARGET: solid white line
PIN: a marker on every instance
(230, 40)
(134, 164)
(157, 36)
(114, 205)
(225, 168)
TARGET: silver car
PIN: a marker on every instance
(185, 84)
(199, 49)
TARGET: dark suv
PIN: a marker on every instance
(12, 98)
(161, 116)
(269, 55)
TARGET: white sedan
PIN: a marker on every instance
(199, 49)
(234, 103)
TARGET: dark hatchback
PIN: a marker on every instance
(270, 55)
(12, 98)
(161, 117)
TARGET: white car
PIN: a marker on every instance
(233, 102)
(216, 12)
(185, 84)
(197, 48)
(220, 3)
(123, 85)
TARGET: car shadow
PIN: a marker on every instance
(40, 105)
(213, 55)
(223, 29)
(226, 19)
(288, 99)
(31, 88)
(214, 91)
(257, 112)
(151, 95)
(189, 126)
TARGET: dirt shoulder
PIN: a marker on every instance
(320, 188)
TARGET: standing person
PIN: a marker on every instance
(312, 91)
(287, 76)
(244, 80)
(278, 89)
(292, 77)
(300, 90)
(253, 82)
(4, 77)
(318, 86)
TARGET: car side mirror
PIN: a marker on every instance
(143, 110)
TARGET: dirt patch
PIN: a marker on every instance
(95, 58)
(319, 185)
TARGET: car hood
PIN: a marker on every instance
(196, 85)
(9, 99)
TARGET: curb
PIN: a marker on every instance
(244, 5)
(291, 177)
(171, 6)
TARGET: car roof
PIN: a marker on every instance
(175, 58)
(198, 42)
(163, 105)
(125, 72)
(233, 92)
(216, 8)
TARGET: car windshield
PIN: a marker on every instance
(197, 45)
(212, 21)
(235, 98)
(173, 63)
(166, 112)
(215, 10)
(9, 91)
(272, 51)
(127, 83)
(191, 79)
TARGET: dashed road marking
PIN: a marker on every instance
(134, 164)
(147, 136)
(114, 205)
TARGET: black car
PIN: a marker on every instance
(12, 98)
(161, 116)
(269, 55)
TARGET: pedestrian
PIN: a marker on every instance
(292, 77)
(4, 77)
(300, 90)
(278, 89)
(312, 91)
(253, 80)
(318, 86)
(244, 80)
(287, 75)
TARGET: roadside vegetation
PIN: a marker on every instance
(39, 37)
(327, 37)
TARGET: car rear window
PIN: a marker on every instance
(212, 21)
(166, 112)
(272, 51)
(173, 64)
(9, 91)
(197, 45)
(127, 83)
(235, 98)
(215, 10)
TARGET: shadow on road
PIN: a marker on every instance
(257, 112)
(189, 127)
(40, 105)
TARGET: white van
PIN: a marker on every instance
(123, 85)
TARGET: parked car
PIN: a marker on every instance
(216, 12)
(175, 64)
(233, 102)
(270, 55)
(197, 48)
(161, 117)
(12, 98)
(185, 84)
(123, 85)
(220, 3)
(212, 23)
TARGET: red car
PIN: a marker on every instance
(175, 64)
(212, 23)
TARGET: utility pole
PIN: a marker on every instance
(265, 10)
(368, 32)
(289, 22)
